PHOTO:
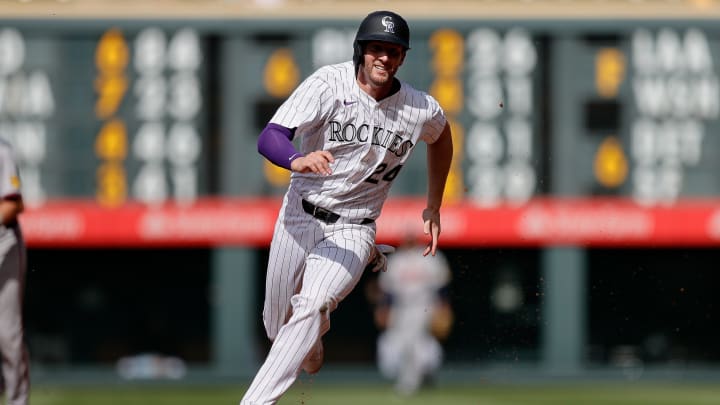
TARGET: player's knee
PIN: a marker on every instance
(311, 305)
(10, 337)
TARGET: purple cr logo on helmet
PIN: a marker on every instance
(383, 26)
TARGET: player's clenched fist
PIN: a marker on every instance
(314, 162)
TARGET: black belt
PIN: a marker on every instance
(326, 216)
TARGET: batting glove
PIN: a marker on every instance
(378, 260)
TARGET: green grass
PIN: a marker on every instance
(309, 392)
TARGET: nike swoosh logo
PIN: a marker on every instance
(349, 102)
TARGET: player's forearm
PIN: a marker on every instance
(275, 144)
(439, 156)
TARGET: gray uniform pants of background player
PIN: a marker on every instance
(15, 368)
(313, 266)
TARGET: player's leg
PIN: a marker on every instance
(332, 270)
(389, 352)
(314, 359)
(15, 366)
(283, 277)
(431, 355)
(411, 372)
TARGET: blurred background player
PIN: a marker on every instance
(358, 125)
(15, 359)
(414, 313)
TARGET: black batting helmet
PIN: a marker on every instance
(383, 26)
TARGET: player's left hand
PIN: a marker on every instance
(431, 226)
(378, 260)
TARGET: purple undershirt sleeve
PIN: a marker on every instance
(275, 144)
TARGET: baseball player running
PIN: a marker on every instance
(358, 125)
(408, 352)
(14, 355)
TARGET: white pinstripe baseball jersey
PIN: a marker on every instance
(369, 139)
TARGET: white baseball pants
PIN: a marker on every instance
(15, 359)
(312, 267)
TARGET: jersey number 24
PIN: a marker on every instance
(381, 174)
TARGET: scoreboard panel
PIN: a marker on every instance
(673, 110)
(122, 113)
(109, 115)
(647, 99)
(140, 115)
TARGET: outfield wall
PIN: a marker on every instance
(591, 195)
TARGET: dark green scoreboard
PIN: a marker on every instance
(111, 114)
(147, 111)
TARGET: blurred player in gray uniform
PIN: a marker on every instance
(408, 349)
(15, 364)
(358, 125)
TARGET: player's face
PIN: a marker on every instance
(381, 62)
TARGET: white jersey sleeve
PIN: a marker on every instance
(434, 126)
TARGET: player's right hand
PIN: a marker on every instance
(314, 162)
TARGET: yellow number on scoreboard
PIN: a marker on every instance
(111, 142)
(455, 186)
(448, 60)
(111, 180)
(111, 90)
(112, 54)
(281, 73)
(449, 50)
(111, 59)
(448, 91)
